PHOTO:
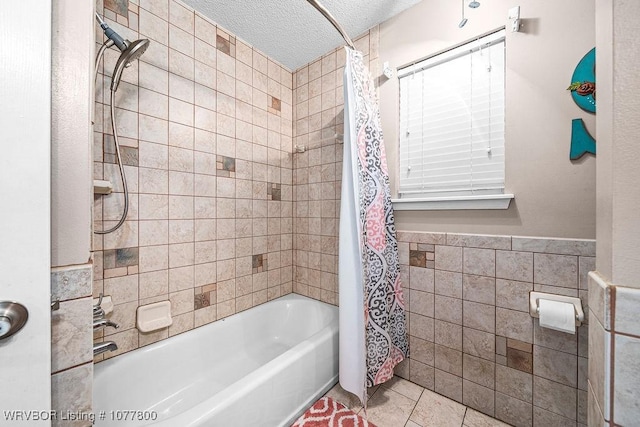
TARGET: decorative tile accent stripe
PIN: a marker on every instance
(274, 191)
(121, 7)
(259, 263)
(226, 166)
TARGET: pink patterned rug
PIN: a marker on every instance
(326, 412)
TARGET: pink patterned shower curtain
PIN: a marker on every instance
(373, 337)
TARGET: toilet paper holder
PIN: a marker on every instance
(534, 306)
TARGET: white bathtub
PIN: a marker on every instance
(262, 367)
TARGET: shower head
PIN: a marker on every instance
(474, 4)
(133, 51)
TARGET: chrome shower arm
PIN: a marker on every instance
(333, 21)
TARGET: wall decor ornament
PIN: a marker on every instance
(583, 92)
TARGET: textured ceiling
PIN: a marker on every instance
(293, 32)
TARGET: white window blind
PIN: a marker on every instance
(452, 121)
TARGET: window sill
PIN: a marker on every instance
(493, 201)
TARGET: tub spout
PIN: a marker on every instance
(103, 347)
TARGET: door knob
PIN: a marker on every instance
(13, 316)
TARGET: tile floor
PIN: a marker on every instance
(400, 403)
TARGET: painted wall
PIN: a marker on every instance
(553, 196)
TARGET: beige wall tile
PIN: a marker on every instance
(422, 279)
(448, 360)
(448, 385)
(478, 397)
(154, 26)
(153, 284)
(480, 371)
(555, 365)
(626, 375)
(557, 398)
(627, 303)
(513, 411)
(181, 323)
(514, 265)
(479, 343)
(448, 283)
(182, 278)
(542, 417)
(556, 340)
(71, 392)
(70, 283)
(556, 270)
(153, 258)
(479, 316)
(69, 336)
(479, 289)
(448, 309)
(514, 383)
(480, 262)
(422, 350)
(513, 295)
(582, 247)
(422, 303)
(448, 258)
(447, 334)
(514, 324)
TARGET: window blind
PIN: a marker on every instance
(452, 121)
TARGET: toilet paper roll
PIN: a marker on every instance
(557, 315)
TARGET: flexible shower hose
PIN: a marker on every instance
(105, 46)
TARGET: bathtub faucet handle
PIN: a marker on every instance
(98, 305)
(103, 323)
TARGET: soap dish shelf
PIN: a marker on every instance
(534, 305)
(152, 317)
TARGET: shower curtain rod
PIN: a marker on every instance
(331, 19)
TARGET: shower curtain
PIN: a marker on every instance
(373, 337)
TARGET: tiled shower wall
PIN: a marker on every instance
(205, 125)
(471, 336)
(318, 127)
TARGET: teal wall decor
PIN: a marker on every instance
(583, 82)
(581, 141)
(583, 92)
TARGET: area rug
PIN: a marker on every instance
(326, 412)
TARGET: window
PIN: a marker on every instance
(452, 122)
